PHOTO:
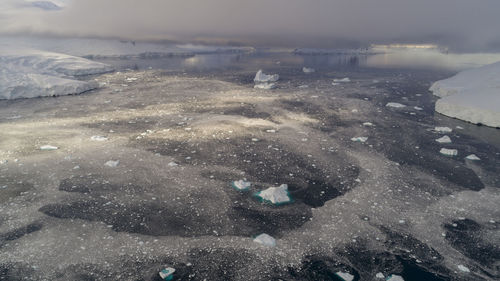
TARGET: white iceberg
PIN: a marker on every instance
(443, 129)
(359, 139)
(449, 152)
(463, 268)
(31, 73)
(395, 105)
(472, 95)
(98, 138)
(345, 276)
(473, 157)
(241, 185)
(380, 275)
(265, 86)
(343, 80)
(418, 108)
(265, 240)
(112, 163)
(395, 277)
(444, 139)
(48, 147)
(261, 77)
(308, 70)
(275, 195)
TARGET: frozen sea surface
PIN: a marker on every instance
(392, 205)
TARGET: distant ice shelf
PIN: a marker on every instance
(472, 95)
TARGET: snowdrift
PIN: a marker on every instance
(32, 73)
(472, 95)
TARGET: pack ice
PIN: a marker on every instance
(472, 95)
(27, 73)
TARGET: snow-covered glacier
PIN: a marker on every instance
(28, 73)
(472, 95)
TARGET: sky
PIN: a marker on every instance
(460, 25)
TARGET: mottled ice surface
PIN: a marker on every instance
(392, 205)
(472, 95)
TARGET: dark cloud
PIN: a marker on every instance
(458, 24)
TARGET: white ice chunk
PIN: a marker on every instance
(473, 157)
(418, 108)
(443, 129)
(167, 273)
(345, 276)
(48, 147)
(275, 195)
(359, 139)
(265, 240)
(380, 275)
(463, 268)
(472, 95)
(395, 105)
(172, 164)
(241, 184)
(449, 152)
(343, 80)
(265, 86)
(444, 139)
(260, 77)
(98, 138)
(112, 163)
(308, 70)
(367, 124)
(395, 277)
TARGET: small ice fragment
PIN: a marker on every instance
(241, 185)
(275, 195)
(265, 86)
(401, 221)
(418, 108)
(343, 80)
(334, 84)
(449, 152)
(345, 276)
(167, 273)
(354, 111)
(255, 140)
(395, 105)
(473, 157)
(367, 124)
(112, 163)
(48, 147)
(463, 268)
(265, 240)
(444, 139)
(359, 139)
(308, 70)
(172, 164)
(76, 167)
(260, 77)
(380, 275)
(443, 129)
(460, 128)
(394, 277)
(98, 138)
(271, 131)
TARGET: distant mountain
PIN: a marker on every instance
(45, 5)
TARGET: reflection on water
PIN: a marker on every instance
(397, 58)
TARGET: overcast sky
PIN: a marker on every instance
(462, 25)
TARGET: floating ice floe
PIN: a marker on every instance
(265, 86)
(275, 195)
(241, 185)
(463, 268)
(98, 138)
(443, 129)
(261, 77)
(418, 108)
(449, 152)
(112, 163)
(380, 275)
(345, 276)
(343, 80)
(308, 70)
(265, 240)
(48, 147)
(444, 139)
(167, 273)
(473, 157)
(471, 95)
(359, 139)
(394, 277)
(395, 105)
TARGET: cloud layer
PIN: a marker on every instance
(458, 24)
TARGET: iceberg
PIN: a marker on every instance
(112, 163)
(444, 139)
(241, 185)
(308, 70)
(443, 129)
(30, 73)
(472, 95)
(449, 152)
(395, 277)
(265, 86)
(48, 147)
(265, 240)
(275, 195)
(345, 276)
(261, 77)
(359, 139)
(473, 157)
(395, 105)
(343, 80)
